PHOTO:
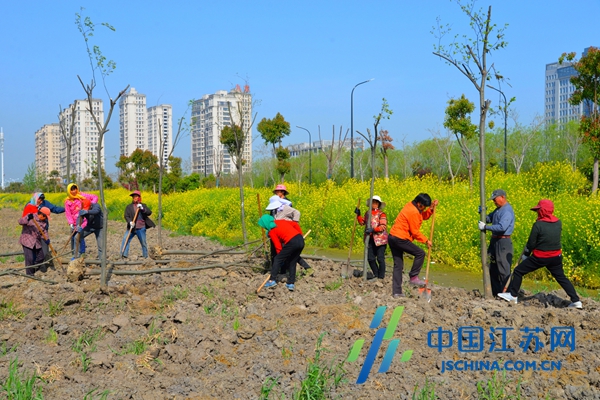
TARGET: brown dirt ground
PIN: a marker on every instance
(206, 334)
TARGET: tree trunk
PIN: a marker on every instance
(385, 167)
(159, 219)
(595, 177)
(487, 283)
(368, 213)
(242, 212)
(104, 208)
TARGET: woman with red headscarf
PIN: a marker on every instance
(543, 249)
(74, 204)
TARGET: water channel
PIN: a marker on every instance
(441, 274)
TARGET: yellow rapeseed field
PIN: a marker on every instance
(328, 209)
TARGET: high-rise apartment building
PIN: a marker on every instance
(47, 149)
(559, 89)
(133, 120)
(160, 131)
(84, 139)
(209, 116)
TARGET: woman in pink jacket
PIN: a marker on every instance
(73, 204)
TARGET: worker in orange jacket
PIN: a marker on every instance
(407, 229)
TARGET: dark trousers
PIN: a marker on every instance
(398, 248)
(554, 266)
(289, 255)
(32, 257)
(500, 256)
(375, 256)
(285, 267)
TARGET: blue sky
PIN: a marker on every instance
(301, 58)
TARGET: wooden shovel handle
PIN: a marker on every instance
(45, 237)
(137, 210)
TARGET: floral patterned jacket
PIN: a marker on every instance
(379, 225)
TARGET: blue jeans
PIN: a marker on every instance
(141, 235)
(96, 233)
(74, 242)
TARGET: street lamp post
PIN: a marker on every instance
(505, 117)
(352, 127)
(309, 155)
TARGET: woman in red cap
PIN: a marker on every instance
(543, 249)
(31, 238)
(141, 223)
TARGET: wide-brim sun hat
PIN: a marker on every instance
(135, 193)
(381, 203)
(274, 203)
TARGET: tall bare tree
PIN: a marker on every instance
(469, 54)
(104, 67)
(234, 138)
(386, 113)
(573, 142)
(333, 152)
(445, 144)
(67, 134)
(386, 145)
(522, 139)
(182, 128)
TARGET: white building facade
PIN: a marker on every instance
(133, 122)
(84, 139)
(160, 131)
(47, 150)
(558, 90)
(209, 116)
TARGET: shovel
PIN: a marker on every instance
(55, 259)
(425, 291)
(64, 247)
(137, 210)
(346, 267)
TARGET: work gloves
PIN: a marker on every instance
(29, 217)
(83, 212)
(357, 211)
(368, 231)
(47, 241)
(140, 206)
(481, 226)
(71, 226)
(79, 229)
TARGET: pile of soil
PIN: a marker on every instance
(207, 334)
